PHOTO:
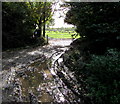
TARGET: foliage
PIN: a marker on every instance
(103, 78)
(99, 77)
(96, 21)
(19, 20)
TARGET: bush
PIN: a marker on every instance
(41, 41)
(98, 77)
(103, 80)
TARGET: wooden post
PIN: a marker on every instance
(47, 38)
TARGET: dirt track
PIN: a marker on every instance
(21, 59)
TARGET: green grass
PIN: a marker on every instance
(59, 34)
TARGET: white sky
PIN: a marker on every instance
(59, 17)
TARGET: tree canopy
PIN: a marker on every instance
(19, 20)
(96, 69)
(96, 21)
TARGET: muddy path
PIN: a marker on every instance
(19, 57)
(33, 74)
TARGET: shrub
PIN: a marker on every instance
(41, 41)
(103, 79)
(98, 77)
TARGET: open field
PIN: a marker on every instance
(60, 34)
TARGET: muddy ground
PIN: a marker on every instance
(32, 75)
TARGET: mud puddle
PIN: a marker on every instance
(38, 81)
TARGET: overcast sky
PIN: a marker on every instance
(59, 17)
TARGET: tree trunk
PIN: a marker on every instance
(40, 28)
(44, 20)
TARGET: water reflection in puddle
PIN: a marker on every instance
(37, 81)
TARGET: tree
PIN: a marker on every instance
(47, 15)
(44, 9)
(17, 25)
(44, 15)
(96, 22)
(98, 75)
(20, 20)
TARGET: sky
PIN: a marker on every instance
(59, 16)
